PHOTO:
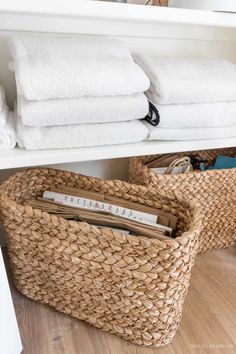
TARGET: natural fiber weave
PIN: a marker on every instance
(132, 286)
(215, 190)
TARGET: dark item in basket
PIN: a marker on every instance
(223, 162)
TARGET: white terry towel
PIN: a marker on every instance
(81, 135)
(47, 68)
(2, 97)
(8, 134)
(157, 133)
(189, 80)
(82, 110)
(202, 115)
(4, 115)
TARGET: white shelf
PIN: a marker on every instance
(141, 25)
(21, 158)
(117, 11)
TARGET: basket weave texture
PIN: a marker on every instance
(132, 286)
(215, 190)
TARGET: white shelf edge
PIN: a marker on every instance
(118, 11)
(18, 158)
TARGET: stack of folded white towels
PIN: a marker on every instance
(7, 128)
(77, 92)
(195, 97)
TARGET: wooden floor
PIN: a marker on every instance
(208, 324)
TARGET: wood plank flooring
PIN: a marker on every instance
(208, 324)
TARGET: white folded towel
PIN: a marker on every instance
(189, 80)
(157, 133)
(82, 110)
(47, 68)
(202, 115)
(4, 115)
(81, 135)
(2, 97)
(8, 134)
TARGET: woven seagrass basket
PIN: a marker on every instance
(132, 286)
(215, 190)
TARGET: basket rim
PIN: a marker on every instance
(26, 209)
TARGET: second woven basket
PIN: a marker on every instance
(214, 190)
(132, 286)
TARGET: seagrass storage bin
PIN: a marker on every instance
(132, 286)
(215, 190)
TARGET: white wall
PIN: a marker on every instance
(10, 342)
